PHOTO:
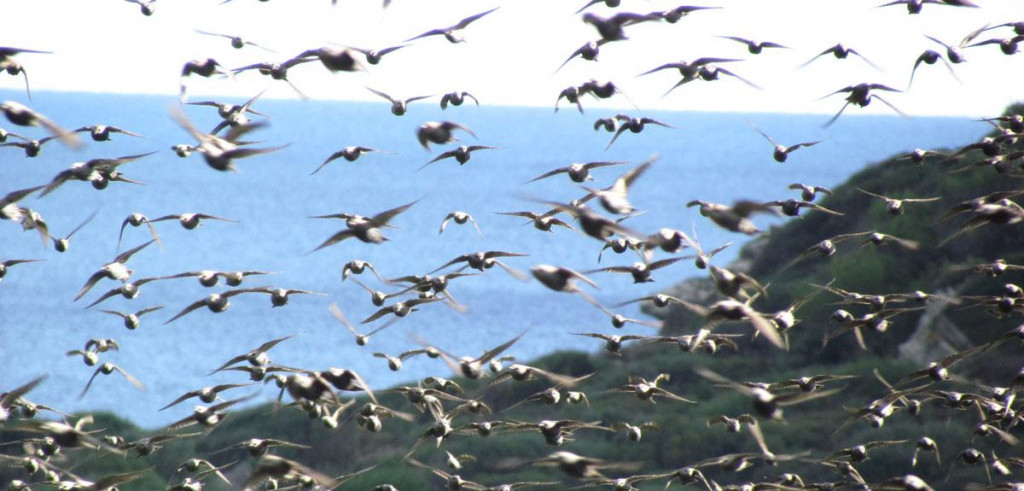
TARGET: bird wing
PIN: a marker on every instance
(384, 217)
(334, 239)
(186, 310)
(388, 97)
(545, 175)
(333, 156)
(616, 136)
(445, 155)
(89, 383)
(97, 276)
(183, 397)
(432, 32)
(465, 22)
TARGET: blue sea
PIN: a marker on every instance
(711, 156)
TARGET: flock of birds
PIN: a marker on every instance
(454, 404)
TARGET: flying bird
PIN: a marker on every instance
(456, 99)
(107, 369)
(449, 32)
(101, 133)
(145, 6)
(22, 115)
(460, 153)
(220, 153)
(98, 172)
(131, 320)
(189, 221)
(781, 152)
(366, 229)
(115, 270)
(216, 302)
(753, 47)
(30, 146)
(333, 59)
(929, 57)
(460, 217)
(840, 52)
(577, 172)
(204, 68)
(278, 70)
(895, 205)
(236, 41)
(439, 132)
(398, 106)
(860, 95)
(634, 125)
(351, 154)
(374, 56)
(62, 244)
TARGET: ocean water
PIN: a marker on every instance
(710, 156)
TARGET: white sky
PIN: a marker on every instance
(108, 46)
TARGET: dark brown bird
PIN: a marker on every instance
(792, 207)
(860, 95)
(484, 260)
(955, 54)
(456, 99)
(577, 172)
(62, 244)
(22, 115)
(107, 369)
(781, 152)
(398, 106)
(613, 28)
(588, 51)
(131, 320)
(461, 154)
(449, 32)
(634, 125)
(101, 133)
(641, 271)
(841, 52)
(766, 404)
(439, 132)
(189, 221)
(1009, 46)
(333, 59)
(915, 6)
(31, 147)
(208, 395)
(277, 70)
(350, 154)
(204, 68)
(929, 57)
(754, 47)
(98, 172)
(894, 205)
(366, 229)
(236, 41)
(593, 223)
(542, 222)
(219, 153)
(128, 290)
(809, 192)
(374, 56)
(14, 68)
(216, 302)
(7, 263)
(115, 270)
(674, 15)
